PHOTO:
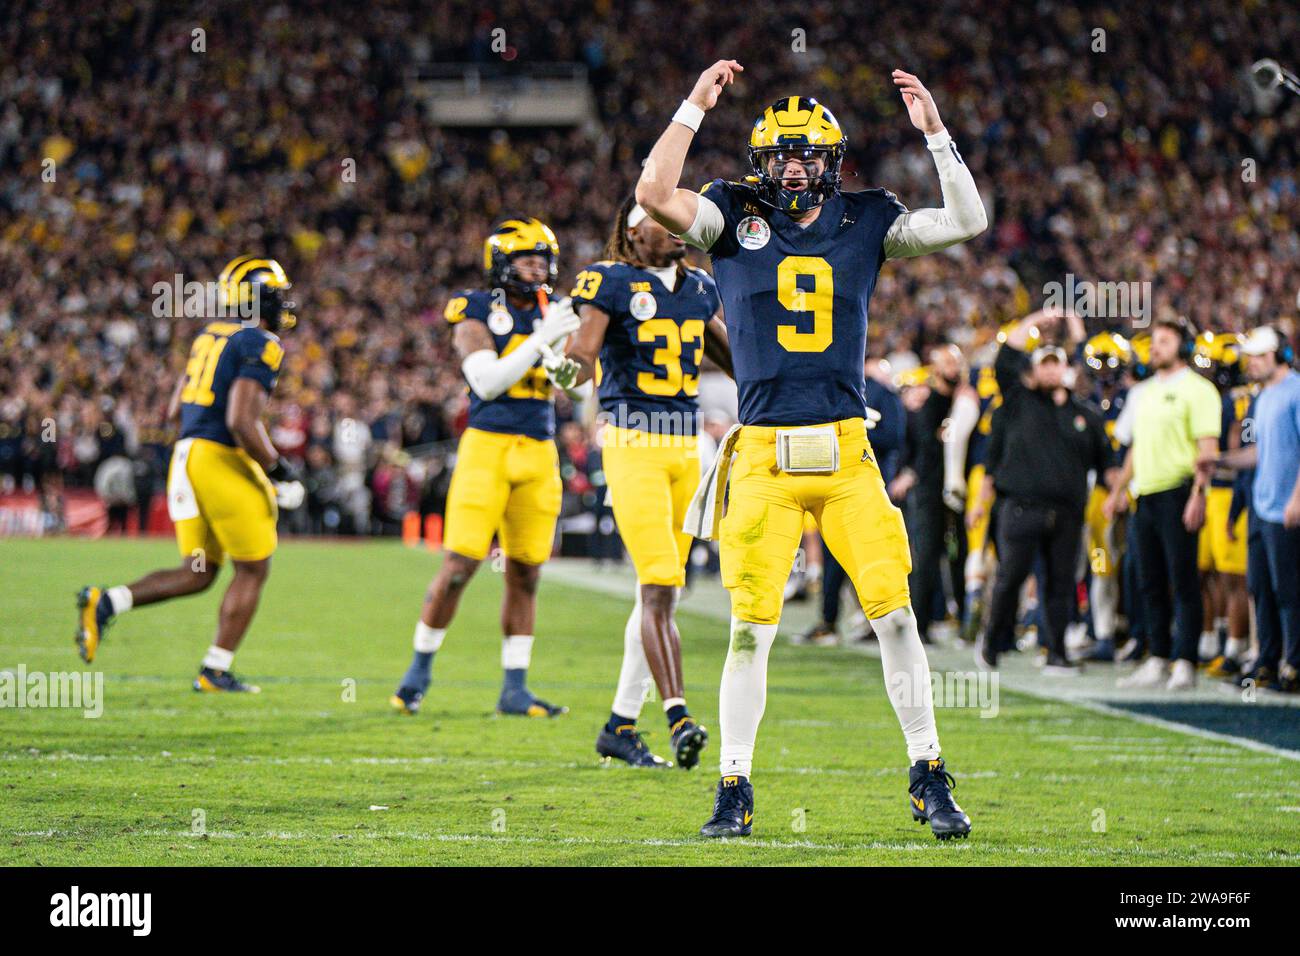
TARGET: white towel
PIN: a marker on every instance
(182, 503)
(705, 509)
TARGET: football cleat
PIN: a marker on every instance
(689, 739)
(1261, 678)
(406, 700)
(628, 746)
(94, 614)
(212, 681)
(930, 795)
(1223, 667)
(521, 703)
(819, 635)
(733, 809)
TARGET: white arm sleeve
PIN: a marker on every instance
(580, 393)
(965, 416)
(706, 228)
(962, 217)
(489, 375)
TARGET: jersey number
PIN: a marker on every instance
(820, 302)
(534, 384)
(201, 369)
(669, 356)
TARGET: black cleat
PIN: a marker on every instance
(94, 614)
(930, 795)
(628, 746)
(733, 809)
(688, 739)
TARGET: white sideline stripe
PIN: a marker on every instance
(1172, 725)
(593, 582)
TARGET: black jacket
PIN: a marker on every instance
(1039, 451)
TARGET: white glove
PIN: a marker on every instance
(560, 322)
(289, 494)
(955, 499)
(560, 369)
(873, 418)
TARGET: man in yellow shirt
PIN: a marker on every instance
(1176, 425)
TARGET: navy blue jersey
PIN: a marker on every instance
(526, 407)
(650, 360)
(796, 301)
(223, 352)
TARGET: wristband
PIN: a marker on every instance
(279, 471)
(689, 115)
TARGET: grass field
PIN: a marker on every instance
(301, 774)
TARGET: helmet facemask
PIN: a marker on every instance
(816, 167)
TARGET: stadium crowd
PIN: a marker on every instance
(1114, 146)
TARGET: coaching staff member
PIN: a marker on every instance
(1176, 420)
(1043, 444)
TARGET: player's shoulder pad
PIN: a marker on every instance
(467, 304)
(695, 272)
(257, 345)
(726, 193)
(876, 198)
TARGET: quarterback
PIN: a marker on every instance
(647, 319)
(796, 261)
(226, 478)
(507, 475)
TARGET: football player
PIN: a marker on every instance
(796, 261)
(506, 479)
(647, 320)
(1222, 541)
(226, 479)
(1106, 357)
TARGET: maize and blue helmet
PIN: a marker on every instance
(796, 127)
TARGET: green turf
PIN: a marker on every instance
(292, 775)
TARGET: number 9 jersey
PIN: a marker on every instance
(650, 359)
(796, 299)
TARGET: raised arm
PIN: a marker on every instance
(657, 191)
(962, 217)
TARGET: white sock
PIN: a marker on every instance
(907, 681)
(218, 658)
(671, 702)
(1104, 596)
(428, 639)
(634, 676)
(1235, 648)
(743, 694)
(121, 598)
(516, 652)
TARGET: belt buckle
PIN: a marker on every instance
(808, 451)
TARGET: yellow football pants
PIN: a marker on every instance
(760, 531)
(237, 511)
(507, 484)
(651, 480)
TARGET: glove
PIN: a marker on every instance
(873, 418)
(561, 370)
(955, 499)
(289, 494)
(560, 322)
(286, 479)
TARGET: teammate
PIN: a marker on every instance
(796, 261)
(1106, 357)
(507, 474)
(1222, 543)
(226, 478)
(648, 319)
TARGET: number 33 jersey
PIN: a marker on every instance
(222, 353)
(796, 301)
(650, 360)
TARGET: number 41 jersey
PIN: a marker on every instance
(796, 301)
(650, 361)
